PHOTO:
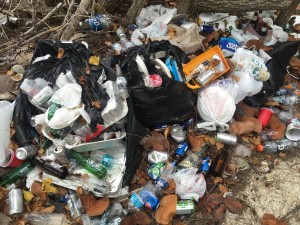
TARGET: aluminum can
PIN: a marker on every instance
(185, 207)
(26, 152)
(15, 201)
(75, 206)
(225, 138)
(158, 157)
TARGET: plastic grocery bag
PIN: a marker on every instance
(6, 112)
(189, 184)
(216, 104)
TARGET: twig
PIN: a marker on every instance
(4, 33)
(68, 15)
(17, 6)
(33, 15)
(7, 12)
(44, 19)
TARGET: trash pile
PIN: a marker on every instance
(102, 141)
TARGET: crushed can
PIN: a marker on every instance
(185, 207)
(156, 170)
(75, 206)
(158, 157)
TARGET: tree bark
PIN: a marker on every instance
(285, 15)
(75, 19)
(134, 10)
(183, 6)
(111, 6)
(234, 6)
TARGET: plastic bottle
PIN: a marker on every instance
(16, 173)
(267, 135)
(90, 165)
(52, 168)
(219, 163)
(125, 42)
(75, 205)
(121, 83)
(96, 23)
(275, 146)
(35, 218)
(104, 158)
(288, 100)
(165, 177)
(148, 196)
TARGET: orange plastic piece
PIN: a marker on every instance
(260, 148)
(193, 64)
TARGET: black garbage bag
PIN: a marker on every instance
(75, 59)
(281, 54)
(156, 106)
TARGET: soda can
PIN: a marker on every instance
(155, 170)
(75, 206)
(15, 201)
(225, 138)
(185, 207)
(177, 133)
(43, 96)
(205, 165)
(205, 77)
(26, 152)
(158, 157)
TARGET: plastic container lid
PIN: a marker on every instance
(260, 148)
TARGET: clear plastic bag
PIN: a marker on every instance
(216, 104)
(189, 184)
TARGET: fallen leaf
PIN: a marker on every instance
(20, 221)
(10, 73)
(269, 219)
(48, 187)
(214, 200)
(218, 180)
(282, 154)
(142, 181)
(138, 218)
(233, 206)
(255, 140)
(219, 145)
(223, 189)
(36, 188)
(220, 213)
(98, 207)
(85, 177)
(96, 104)
(232, 167)
(171, 188)
(27, 195)
(167, 131)
(271, 103)
(60, 53)
(195, 142)
(166, 210)
(94, 60)
(49, 209)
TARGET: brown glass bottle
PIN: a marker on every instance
(219, 163)
(52, 168)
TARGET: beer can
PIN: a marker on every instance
(225, 138)
(43, 96)
(205, 165)
(15, 201)
(158, 157)
(26, 152)
(185, 207)
(205, 77)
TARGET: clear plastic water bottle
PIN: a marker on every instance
(275, 146)
(125, 42)
(121, 83)
(104, 158)
(148, 196)
(288, 100)
(165, 177)
(35, 218)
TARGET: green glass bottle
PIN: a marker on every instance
(94, 167)
(16, 173)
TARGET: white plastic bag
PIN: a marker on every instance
(68, 96)
(189, 184)
(216, 104)
(6, 112)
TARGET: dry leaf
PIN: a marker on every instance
(166, 210)
(142, 181)
(96, 104)
(271, 103)
(246, 138)
(255, 140)
(218, 180)
(138, 218)
(98, 207)
(282, 154)
(60, 53)
(223, 189)
(36, 188)
(195, 142)
(233, 206)
(210, 140)
(171, 188)
(48, 209)
(269, 219)
(20, 221)
(167, 131)
(214, 200)
(220, 213)
(48, 187)
(220, 145)
(94, 60)
(27, 195)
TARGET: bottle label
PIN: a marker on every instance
(42, 96)
(121, 83)
(107, 160)
(56, 165)
(136, 201)
(150, 199)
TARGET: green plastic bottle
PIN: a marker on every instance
(94, 167)
(16, 173)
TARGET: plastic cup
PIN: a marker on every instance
(293, 130)
(264, 116)
(11, 159)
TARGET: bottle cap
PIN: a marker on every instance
(260, 148)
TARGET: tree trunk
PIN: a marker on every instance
(285, 15)
(235, 6)
(134, 10)
(75, 19)
(183, 6)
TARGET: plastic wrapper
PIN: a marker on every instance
(189, 184)
(216, 104)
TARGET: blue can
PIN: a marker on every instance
(206, 29)
(205, 165)
(181, 150)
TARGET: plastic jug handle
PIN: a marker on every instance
(192, 86)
